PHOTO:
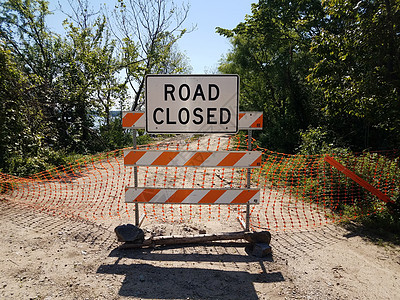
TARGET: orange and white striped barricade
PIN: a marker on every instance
(198, 159)
(191, 196)
(170, 158)
(251, 120)
(133, 120)
(248, 120)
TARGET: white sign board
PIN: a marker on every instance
(192, 103)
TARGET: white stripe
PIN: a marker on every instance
(215, 158)
(181, 158)
(161, 197)
(228, 196)
(148, 158)
(131, 194)
(195, 195)
(248, 119)
(255, 199)
(248, 159)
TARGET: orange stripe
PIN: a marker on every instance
(212, 196)
(257, 162)
(198, 159)
(244, 196)
(179, 196)
(164, 158)
(382, 196)
(258, 123)
(231, 159)
(131, 118)
(133, 156)
(241, 115)
(146, 195)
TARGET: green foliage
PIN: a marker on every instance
(271, 55)
(330, 64)
(114, 135)
(318, 141)
(20, 128)
(25, 61)
(289, 171)
(52, 86)
(358, 71)
(26, 165)
(57, 92)
(89, 86)
(144, 139)
(241, 141)
(150, 30)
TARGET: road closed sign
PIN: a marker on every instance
(192, 103)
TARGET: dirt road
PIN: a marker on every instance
(45, 257)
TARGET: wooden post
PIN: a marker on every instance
(252, 237)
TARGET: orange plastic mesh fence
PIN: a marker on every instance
(297, 191)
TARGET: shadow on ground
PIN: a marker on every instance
(165, 274)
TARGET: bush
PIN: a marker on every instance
(318, 141)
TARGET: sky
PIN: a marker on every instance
(203, 46)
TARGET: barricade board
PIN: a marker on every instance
(169, 158)
(251, 120)
(192, 196)
(248, 120)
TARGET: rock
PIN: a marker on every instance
(129, 233)
(258, 237)
(261, 249)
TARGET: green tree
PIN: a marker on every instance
(358, 71)
(14, 115)
(89, 83)
(148, 31)
(53, 86)
(28, 68)
(271, 55)
(24, 31)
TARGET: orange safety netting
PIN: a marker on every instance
(297, 191)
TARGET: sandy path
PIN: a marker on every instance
(47, 257)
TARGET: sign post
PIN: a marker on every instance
(248, 184)
(135, 178)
